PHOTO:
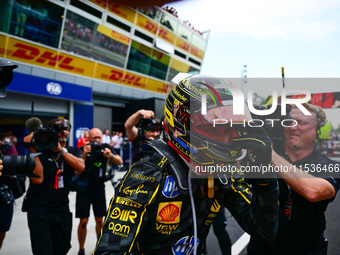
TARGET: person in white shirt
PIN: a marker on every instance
(106, 137)
(116, 141)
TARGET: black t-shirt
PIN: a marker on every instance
(137, 144)
(45, 196)
(307, 222)
(95, 168)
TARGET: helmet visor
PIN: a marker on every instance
(220, 133)
(218, 124)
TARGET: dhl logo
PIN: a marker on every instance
(152, 27)
(164, 89)
(189, 48)
(196, 52)
(116, 8)
(44, 57)
(129, 79)
(36, 55)
(183, 45)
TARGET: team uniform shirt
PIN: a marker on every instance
(45, 196)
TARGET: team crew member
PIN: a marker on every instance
(151, 211)
(96, 156)
(303, 197)
(47, 204)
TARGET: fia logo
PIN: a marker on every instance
(170, 189)
(54, 88)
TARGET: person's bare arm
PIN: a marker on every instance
(78, 164)
(113, 157)
(131, 122)
(312, 188)
(38, 170)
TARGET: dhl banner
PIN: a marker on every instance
(179, 66)
(41, 56)
(184, 45)
(113, 35)
(196, 52)
(168, 36)
(153, 28)
(126, 78)
(117, 9)
(324, 100)
(45, 57)
(154, 54)
(149, 25)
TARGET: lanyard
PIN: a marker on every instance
(61, 168)
(58, 179)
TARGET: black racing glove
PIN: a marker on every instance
(258, 143)
(259, 146)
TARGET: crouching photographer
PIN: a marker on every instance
(90, 186)
(46, 202)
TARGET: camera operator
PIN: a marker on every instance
(147, 132)
(303, 196)
(96, 156)
(6, 195)
(46, 202)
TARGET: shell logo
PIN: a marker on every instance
(169, 213)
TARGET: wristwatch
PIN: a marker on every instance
(63, 151)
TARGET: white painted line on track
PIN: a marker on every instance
(240, 244)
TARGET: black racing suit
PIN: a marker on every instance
(151, 212)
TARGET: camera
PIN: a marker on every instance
(47, 139)
(272, 124)
(22, 165)
(96, 149)
(5, 195)
(150, 124)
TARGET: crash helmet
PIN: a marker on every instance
(199, 121)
